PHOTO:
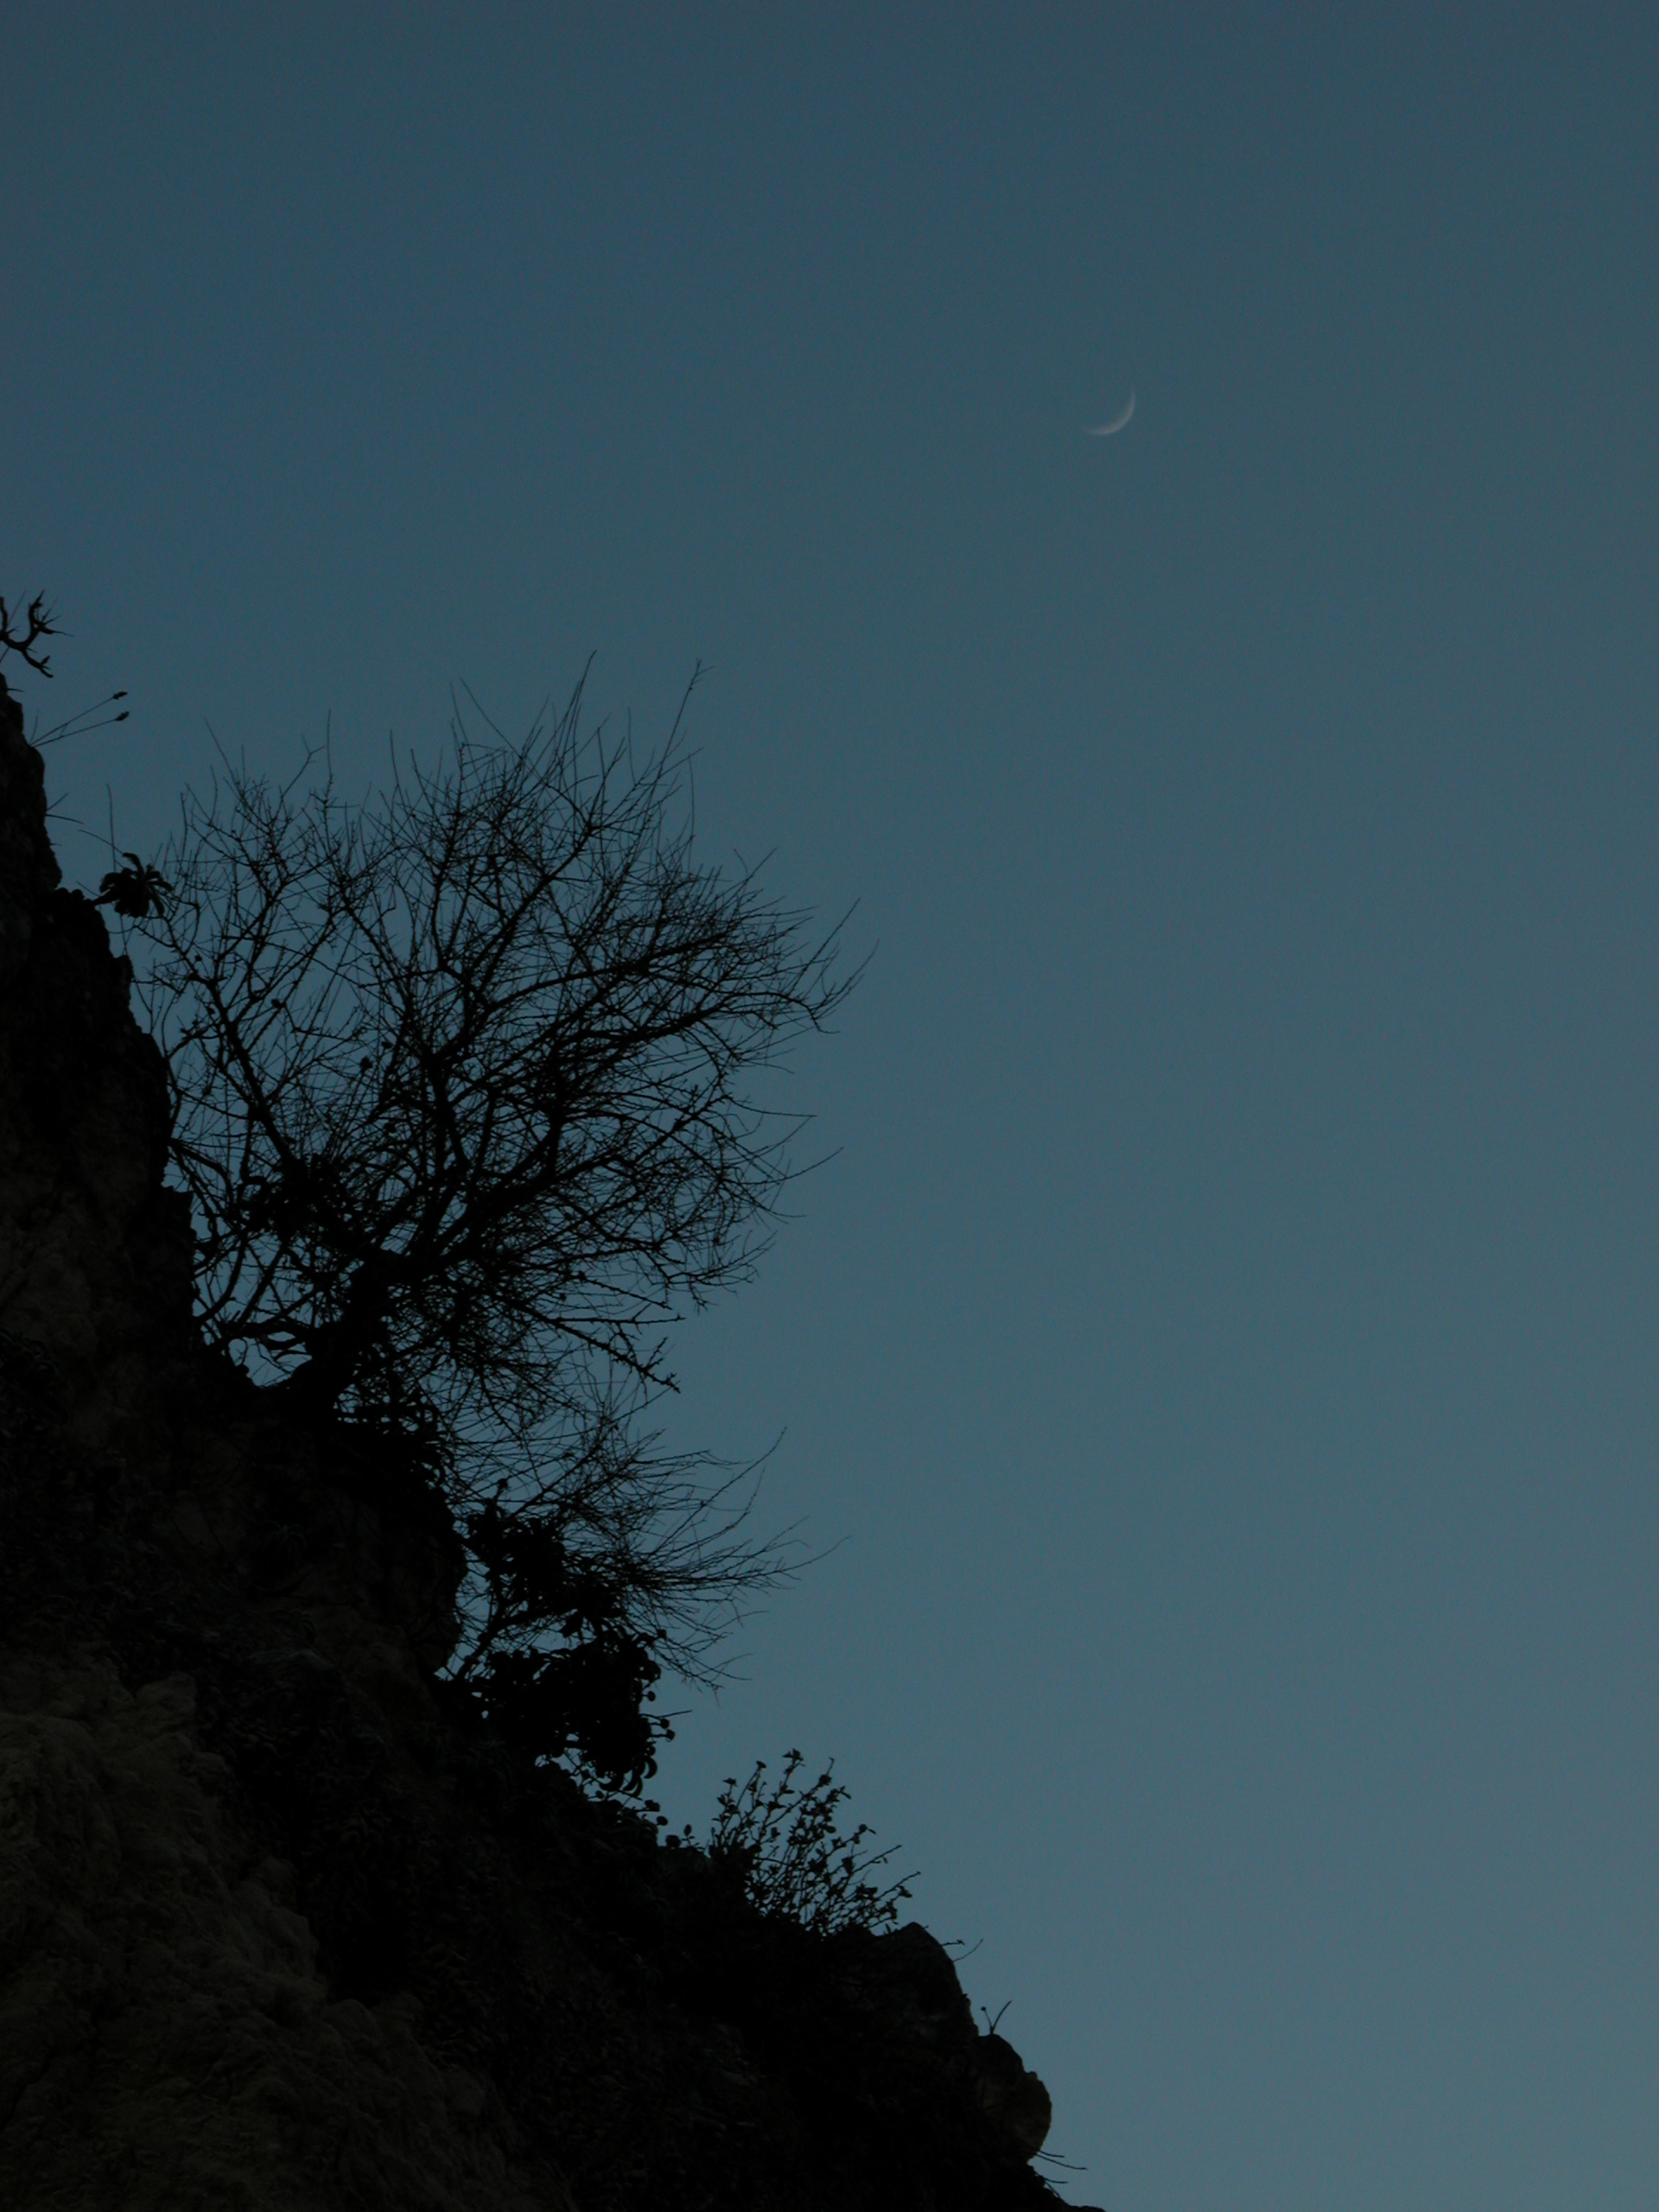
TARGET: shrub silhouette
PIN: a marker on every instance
(793, 1863)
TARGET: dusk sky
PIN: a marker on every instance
(1219, 1359)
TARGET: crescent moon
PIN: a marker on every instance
(1110, 429)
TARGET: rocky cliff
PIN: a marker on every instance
(282, 1926)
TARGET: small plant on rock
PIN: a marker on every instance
(794, 1863)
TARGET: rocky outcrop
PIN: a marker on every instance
(282, 1924)
(95, 1255)
(167, 2036)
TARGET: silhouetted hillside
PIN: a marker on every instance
(280, 1923)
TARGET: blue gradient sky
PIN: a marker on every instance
(1225, 1335)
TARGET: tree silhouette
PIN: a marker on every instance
(467, 1083)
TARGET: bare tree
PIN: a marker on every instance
(469, 1089)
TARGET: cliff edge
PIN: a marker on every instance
(283, 1927)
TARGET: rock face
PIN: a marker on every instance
(282, 1926)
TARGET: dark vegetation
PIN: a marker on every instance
(22, 634)
(467, 1087)
(785, 1845)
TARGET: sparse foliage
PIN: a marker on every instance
(464, 1083)
(793, 1861)
(23, 635)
